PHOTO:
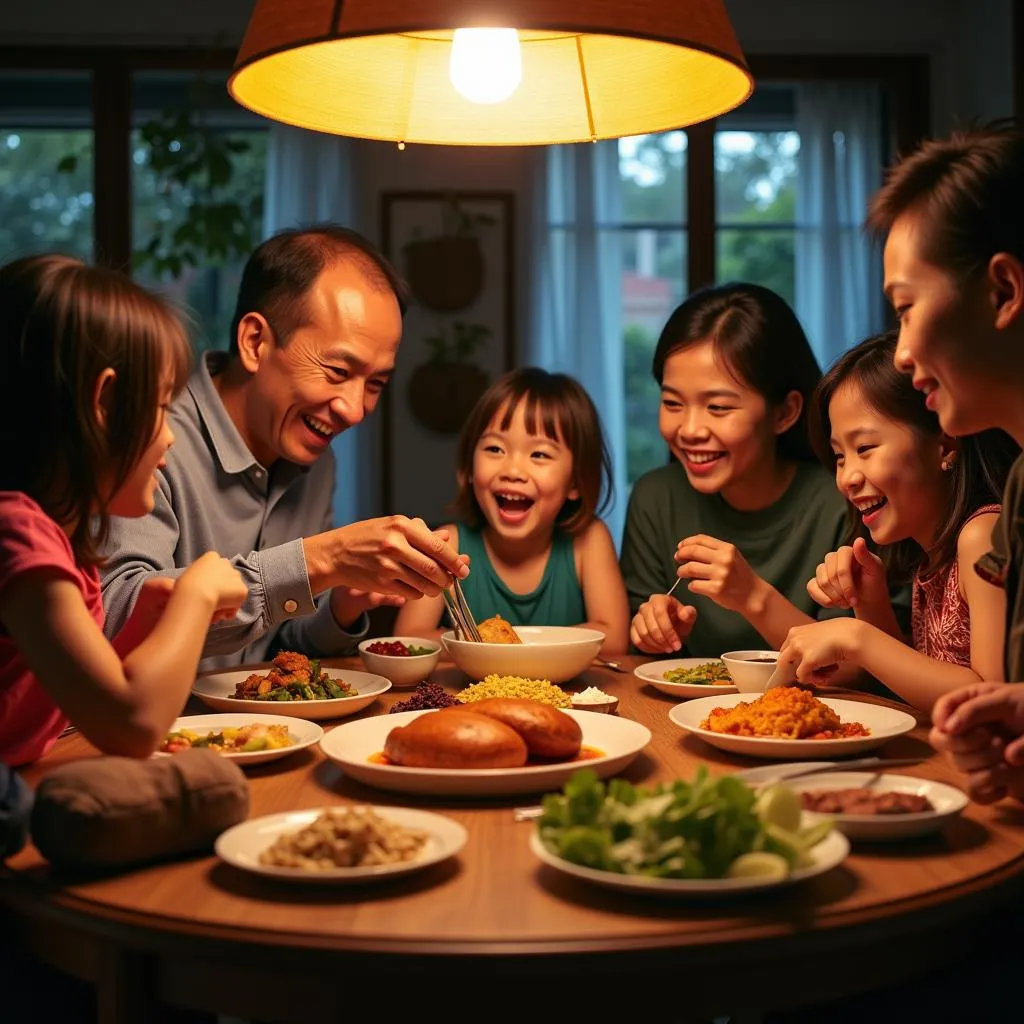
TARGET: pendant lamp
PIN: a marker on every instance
(489, 73)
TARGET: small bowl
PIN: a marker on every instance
(604, 707)
(750, 670)
(402, 670)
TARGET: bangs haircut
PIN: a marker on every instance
(62, 323)
(977, 476)
(280, 272)
(557, 407)
(967, 192)
(758, 339)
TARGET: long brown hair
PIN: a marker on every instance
(759, 338)
(62, 323)
(978, 473)
(558, 406)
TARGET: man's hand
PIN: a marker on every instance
(392, 555)
(347, 604)
(980, 728)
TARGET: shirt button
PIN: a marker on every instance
(258, 473)
(291, 606)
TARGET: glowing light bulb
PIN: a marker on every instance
(486, 63)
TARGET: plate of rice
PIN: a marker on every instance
(687, 677)
(791, 723)
(357, 747)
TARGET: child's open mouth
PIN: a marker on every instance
(872, 510)
(513, 507)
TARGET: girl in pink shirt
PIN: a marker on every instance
(929, 502)
(99, 359)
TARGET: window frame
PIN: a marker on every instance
(112, 69)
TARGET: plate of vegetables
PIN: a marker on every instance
(687, 677)
(292, 684)
(705, 837)
(248, 739)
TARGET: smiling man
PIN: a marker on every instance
(251, 474)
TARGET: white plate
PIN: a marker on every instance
(242, 844)
(883, 724)
(948, 802)
(555, 653)
(303, 734)
(830, 852)
(351, 745)
(653, 672)
(216, 688)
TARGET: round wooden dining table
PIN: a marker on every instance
(200, 935)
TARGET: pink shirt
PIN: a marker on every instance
(30, 722)
(940, 619)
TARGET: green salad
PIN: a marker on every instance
(707, 828)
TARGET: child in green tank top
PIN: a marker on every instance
(533, 475)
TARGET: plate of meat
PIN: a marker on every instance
(293, 685)
(875, 806)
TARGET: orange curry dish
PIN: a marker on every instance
(786, 712)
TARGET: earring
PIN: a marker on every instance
(947, 462)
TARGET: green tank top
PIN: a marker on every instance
(557, 600)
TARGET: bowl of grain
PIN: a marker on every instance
(555, 653)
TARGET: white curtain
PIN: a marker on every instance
(309, 181)
(838, 269)
(576, 266)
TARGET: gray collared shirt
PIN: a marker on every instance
(214, 496)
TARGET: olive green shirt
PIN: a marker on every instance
(783, 544)
(1003, 566)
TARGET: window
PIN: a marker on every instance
(46, 164)
(141, 161)
(197, 194)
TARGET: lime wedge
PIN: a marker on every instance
(758, 865)
(779, 805)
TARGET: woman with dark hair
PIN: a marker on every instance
(929, 502)
(744, 512)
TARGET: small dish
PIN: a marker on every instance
(947, 801)
(751, 670)
(301, 732)
(608, 706)
(653, 672)
(242, 844)
(401, 669)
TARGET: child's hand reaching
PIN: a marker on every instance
(815, 651)
(218, 581)
(849, 577)
(981, 729)
(347, 603)
(661, 625)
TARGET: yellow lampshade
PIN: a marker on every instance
(587, 70)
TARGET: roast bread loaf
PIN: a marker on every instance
(455, 738)
(548, 732)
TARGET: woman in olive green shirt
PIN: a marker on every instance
(744, 513)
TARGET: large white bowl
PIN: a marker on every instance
(401, 670)
(555, 653)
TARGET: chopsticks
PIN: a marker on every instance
(458, 608)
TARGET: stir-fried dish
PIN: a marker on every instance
(711, 673)
(293, 676)
(242, 739)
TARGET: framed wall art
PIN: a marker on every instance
(456, 252)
